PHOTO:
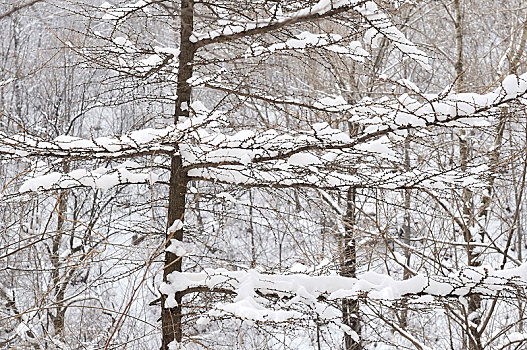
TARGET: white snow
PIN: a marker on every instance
(301, 288)
(305, 40)
(266, 157)
(116, 13)
(97, 179)
(179, 248)
(176, 225)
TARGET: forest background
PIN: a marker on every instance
(296, 174)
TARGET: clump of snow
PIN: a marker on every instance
(176, 226)
(179, 248)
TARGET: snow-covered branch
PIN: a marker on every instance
(250, 288)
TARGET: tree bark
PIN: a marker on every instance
(171, 317)
(406, 232)
(59, 285)
(473, 256)
(350, 307)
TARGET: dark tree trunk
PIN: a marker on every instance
(171, 317)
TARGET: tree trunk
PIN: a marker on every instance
(474, 300)
(407, 232)
(171, 317)
(350, 307)
(60, 282)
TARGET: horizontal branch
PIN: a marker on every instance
(304, 290)
(302, 16)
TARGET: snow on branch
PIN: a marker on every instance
(447, 109)
(252, 290)
(380, 118)
(116, 13)
(136, 143)
(305, 40)
(332, 176)
(142, 142)
(101, 178)
(378, 26)
(320, 157)
(241, 28)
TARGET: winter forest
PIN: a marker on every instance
(263, 174)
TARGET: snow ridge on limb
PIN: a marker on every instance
(101, 178)
(380, 118)
(147, 141)
(311, 158)
(240, 28)
(117, 13)
(297, 290)
(380, 26)
(378, 23)
(305, 40)
(448, 109)
(133, 144)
